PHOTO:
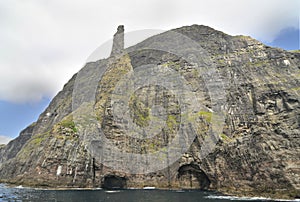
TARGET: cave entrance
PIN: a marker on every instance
(191, 176)
(114, 182)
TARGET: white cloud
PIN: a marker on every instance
(4, 139)
(43, 43)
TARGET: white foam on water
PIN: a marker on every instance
(112, 191)
(133, 188)
(19, 187)
(147, 188)
(250, 198)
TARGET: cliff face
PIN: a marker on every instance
(242, 94)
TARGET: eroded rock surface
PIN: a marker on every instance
(258, 150)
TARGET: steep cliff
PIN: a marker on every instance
(235, 107)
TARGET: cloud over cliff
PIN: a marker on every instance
(44, 42)
(4, 139)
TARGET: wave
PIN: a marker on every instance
(113, 191)
(249, 198)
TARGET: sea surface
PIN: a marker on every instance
(132, 195)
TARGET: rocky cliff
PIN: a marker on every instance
(227, 105)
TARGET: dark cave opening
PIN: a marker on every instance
(191, 176)
(114, 182)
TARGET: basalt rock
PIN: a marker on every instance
(118, 41)
(257, 150)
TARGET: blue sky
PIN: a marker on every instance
(43, 43)
(15, 117)
(287, 39)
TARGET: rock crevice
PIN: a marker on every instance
(258, 149)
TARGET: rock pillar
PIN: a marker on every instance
(118, 41)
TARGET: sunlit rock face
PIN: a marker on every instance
(118, 41)
(255, 150)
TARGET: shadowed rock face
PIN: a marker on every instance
(114, 182)
(13, 147)
(191, 176)
(258, 150)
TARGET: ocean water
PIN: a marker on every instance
(132, 195)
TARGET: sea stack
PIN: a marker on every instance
(118, 41)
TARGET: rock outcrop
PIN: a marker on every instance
(118, 41)
(257, 149)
